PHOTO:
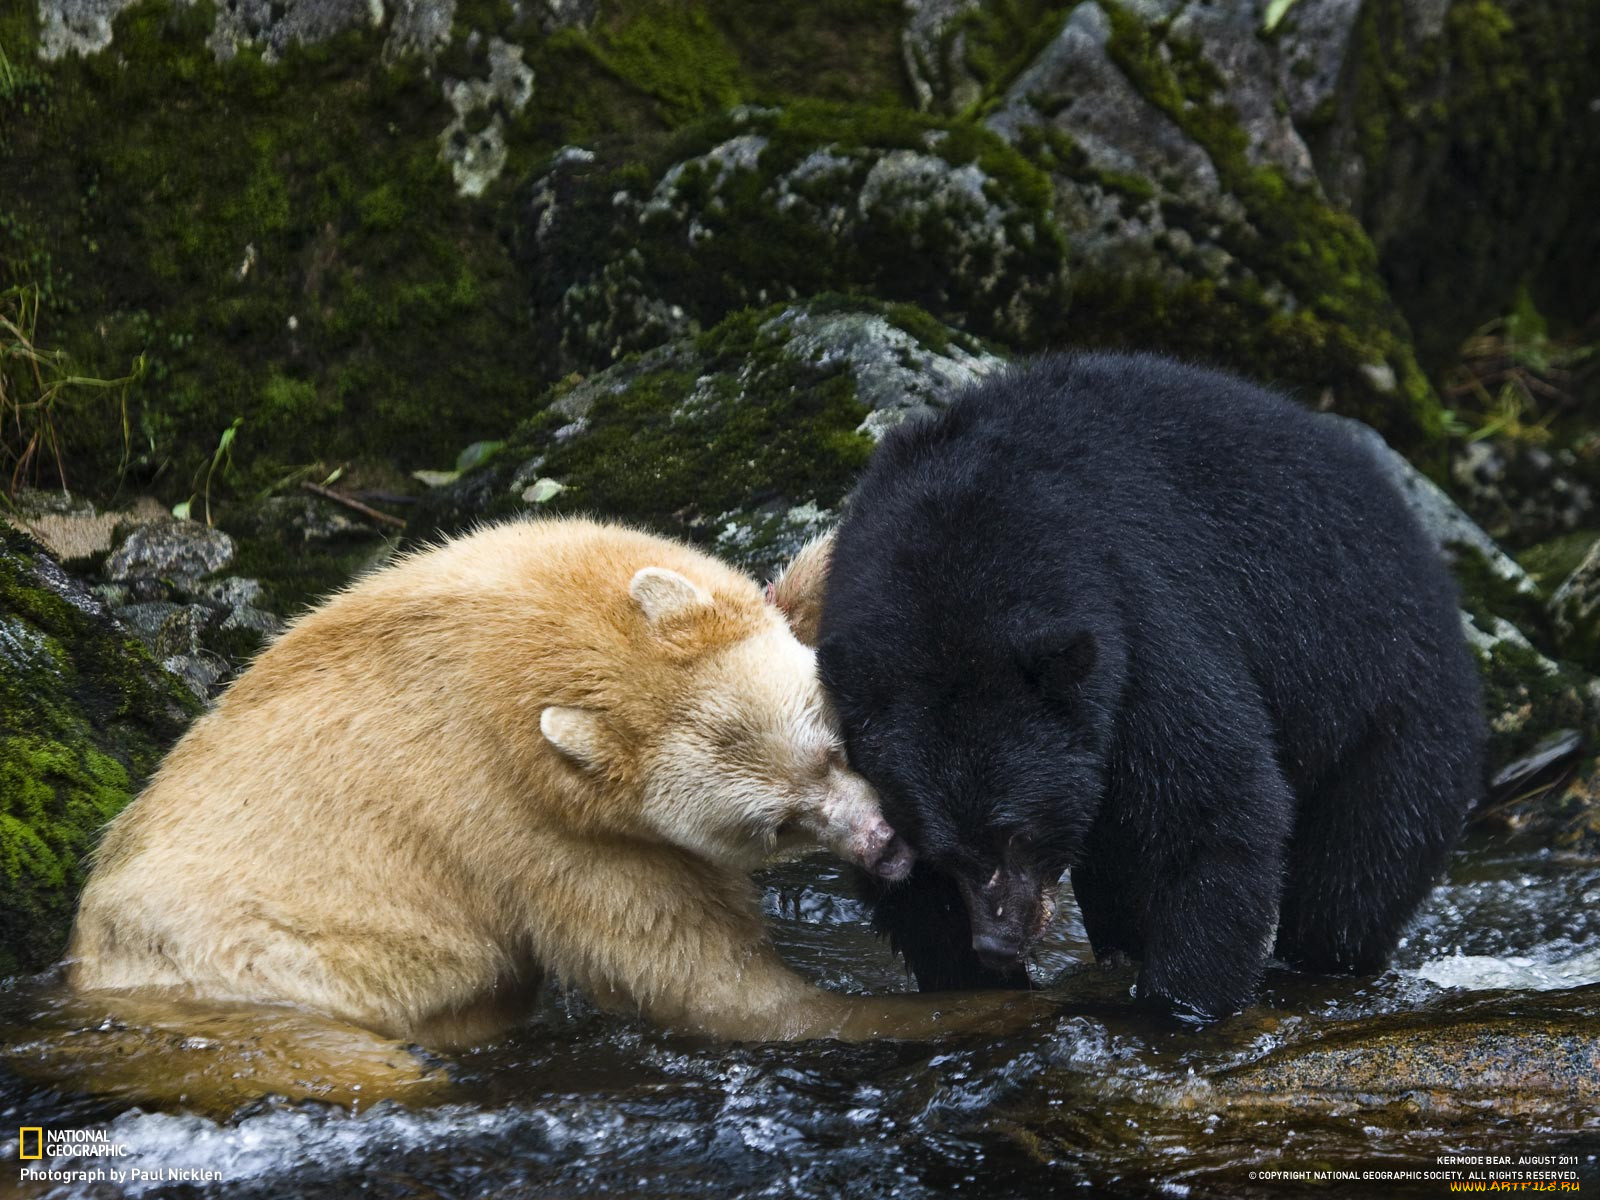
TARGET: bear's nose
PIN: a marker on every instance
(882, 851)
(894, 860)
(996, 949)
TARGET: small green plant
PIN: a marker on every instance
(1514, 379)
(37, 386)
(222, 456)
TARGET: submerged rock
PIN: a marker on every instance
(1527, 1056)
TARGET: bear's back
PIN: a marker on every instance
(1211, 518)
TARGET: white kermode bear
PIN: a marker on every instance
(548, 747)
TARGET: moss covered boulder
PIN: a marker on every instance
(1328, 153)
(743, 439)
(1195, 222)
(766, 204)
(84, 716)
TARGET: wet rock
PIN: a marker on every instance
(1526, 694)
(1524, 1055)
(743, 439)
(84, 716)
(162, 586)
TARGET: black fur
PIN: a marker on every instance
(1165, 628)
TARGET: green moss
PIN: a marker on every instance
(997, 43)
(296, 402)
(1550, 562)
(1485, 595)
(742, 425)
(1525, 701)
(288, 249)
(86, 714)
(1478, 161)
(703, 439)
(673, 53)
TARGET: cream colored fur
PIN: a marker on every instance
(551, 746)
(799, 590)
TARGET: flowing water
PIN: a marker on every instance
(1322, 1075)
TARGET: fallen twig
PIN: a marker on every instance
(365, 510)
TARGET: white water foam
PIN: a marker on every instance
(1531, 972)
(300, 1143)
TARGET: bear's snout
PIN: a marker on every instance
(858, 833)
(892, 857)
(1007, 912)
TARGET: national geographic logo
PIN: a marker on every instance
(77, 1157)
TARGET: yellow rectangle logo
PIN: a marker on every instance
(38, 1141)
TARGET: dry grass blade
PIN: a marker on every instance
(36, 387)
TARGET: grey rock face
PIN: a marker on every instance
(896, 376)
(1074, 87)
(175, 548)
(1441, 518)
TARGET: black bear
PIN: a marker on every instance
(1169, 630)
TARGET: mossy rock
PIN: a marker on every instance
(295, 212)
(1464, 139)
(84, 717)
(1190, 236)
(763, 205)
(743, 439)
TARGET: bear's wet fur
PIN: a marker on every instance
(1167, 629)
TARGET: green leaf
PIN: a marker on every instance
(1276, 11)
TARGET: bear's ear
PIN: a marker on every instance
(577, 733)
(799, 589)
(1056, 666)
(661, 594)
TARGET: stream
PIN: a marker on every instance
(1482, 1040)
